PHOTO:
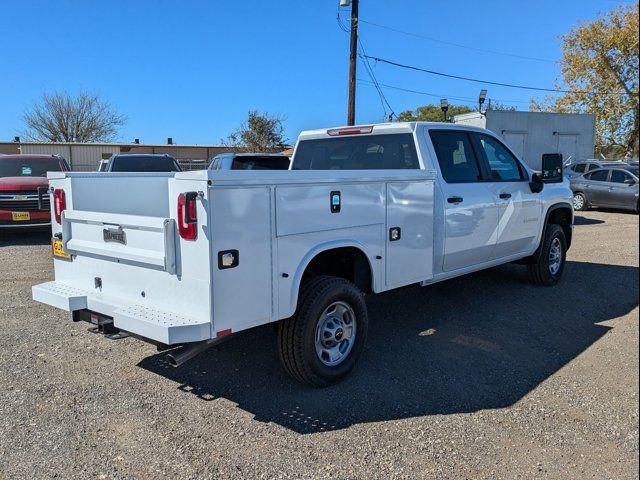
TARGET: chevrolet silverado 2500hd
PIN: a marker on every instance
(185, 259)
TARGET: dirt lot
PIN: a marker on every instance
(484, 376)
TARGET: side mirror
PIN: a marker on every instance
(551, 168)
(630, 181)
(536, 185)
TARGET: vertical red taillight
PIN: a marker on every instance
(59, 204)
(188, 215)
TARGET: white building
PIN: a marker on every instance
(531, 134)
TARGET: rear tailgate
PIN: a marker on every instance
(128, 260)
(148, 241)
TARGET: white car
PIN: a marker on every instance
(185, 259)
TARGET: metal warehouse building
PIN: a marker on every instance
(87, 156)
(531, 134)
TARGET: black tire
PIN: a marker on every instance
(297, 335)
(541, 272)
(581, 205)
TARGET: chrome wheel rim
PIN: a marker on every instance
(555, 256)
(578, 202)
(335, 333)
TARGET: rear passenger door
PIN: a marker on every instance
(597, 187)
(470, 210)
(519, 209)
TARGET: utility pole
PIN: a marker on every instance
(353, 57)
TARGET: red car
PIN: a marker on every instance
(20, 178)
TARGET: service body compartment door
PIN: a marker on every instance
(409, 236)
(309, 208)
(241, 255)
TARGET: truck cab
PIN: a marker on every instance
(487, 208)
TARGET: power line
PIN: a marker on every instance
(342, 26)
(458, 45)
(440, 95)
(376, 85)
(374, 80)
(487, 82)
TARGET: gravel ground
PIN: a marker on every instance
(484, 376)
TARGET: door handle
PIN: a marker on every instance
(504, 196)
(455, 199)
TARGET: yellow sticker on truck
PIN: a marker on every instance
(58, 249)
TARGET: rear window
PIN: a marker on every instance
(140, 163)
(370, 152)
(260, 163)
(28, 167)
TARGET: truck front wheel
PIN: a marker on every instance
(549, 266)
(321, 343)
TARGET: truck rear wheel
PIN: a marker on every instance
(322, 342)
(549, 266)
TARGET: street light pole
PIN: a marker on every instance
(444, 106)
(353, 57)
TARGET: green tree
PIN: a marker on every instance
(599, 67)
(431, 113)
(261, 132)
(497, 105)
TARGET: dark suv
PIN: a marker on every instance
(142, 162)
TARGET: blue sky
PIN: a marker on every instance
(192, 69)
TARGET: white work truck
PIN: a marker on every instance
(185, 259)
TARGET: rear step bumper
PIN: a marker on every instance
(161, 326)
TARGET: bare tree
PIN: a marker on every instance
(261, 132)
(61, 117)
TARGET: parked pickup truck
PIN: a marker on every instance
(186, 259)
(24, 200)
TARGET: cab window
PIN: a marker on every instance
(458, 162)
(503, 165)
